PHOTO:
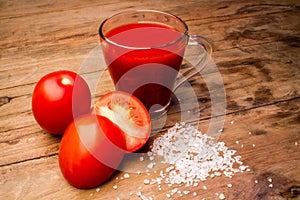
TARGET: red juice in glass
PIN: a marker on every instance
(143, 59)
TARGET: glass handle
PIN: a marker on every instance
(202, 53)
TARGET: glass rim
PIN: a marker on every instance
(183, 35)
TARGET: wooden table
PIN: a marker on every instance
(255, 47)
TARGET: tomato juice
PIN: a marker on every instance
(144, 59)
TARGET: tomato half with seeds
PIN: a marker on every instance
(129, 114)
(90, 151)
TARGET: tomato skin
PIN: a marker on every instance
(129, 114)
(58, 98)
(90, 151)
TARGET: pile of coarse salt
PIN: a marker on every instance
(193, 156)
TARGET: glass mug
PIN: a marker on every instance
(144, 50)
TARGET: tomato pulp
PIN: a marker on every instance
(148, 67)
(129, 114)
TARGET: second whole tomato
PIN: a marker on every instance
(90, 151)
(58, 98)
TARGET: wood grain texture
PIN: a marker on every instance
(274, 156)
(255, 46)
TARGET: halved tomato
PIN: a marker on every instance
(129, 114)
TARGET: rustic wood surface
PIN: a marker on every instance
(255, 46)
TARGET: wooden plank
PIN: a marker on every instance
(28, 39)
(18, 9)
(255, 66)
(274, 127)
(67, 49)
(235, 58)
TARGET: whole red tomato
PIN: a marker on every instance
(90, 151)
(58, 98)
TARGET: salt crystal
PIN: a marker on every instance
(138, 172)
(270, 180)
(204, 187)
(143, 197)
(221, 196)
(115, 187)
(138, 193)
(256, 181)
(218, 173)
(296, 143)
(253, 145)
(146, 181)
(150, 165)
(185, 192)
(152, 182)
(242, 145)
(126, 176)
(250, 133)
(194, 194)
(242, 167)
(131, 193)
(141, 158)
(229, 185)
(159, 180)
(237, 142)
(151, 158)
(228, 174)
(168, 195)
(271, 185)
(97, 189)
(232, 122)
(169, 168)
(220, 130)
(174, 190)
(161, 173)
